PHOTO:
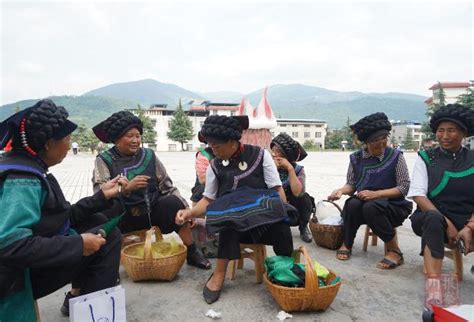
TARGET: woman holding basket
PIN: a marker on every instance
(377, 181)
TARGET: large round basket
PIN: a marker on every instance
(311, 297)
(328, 236)
(149, 268)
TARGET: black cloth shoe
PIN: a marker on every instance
(305, 234)
(196, 258)
(65, 307)
(209, 295)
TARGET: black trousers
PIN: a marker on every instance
(95, 272)
(380, 215)
(431, 227)
(278, 235)
(304, 204)
(163, 214)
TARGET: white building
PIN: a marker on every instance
(452, 91)
(303, 130)
(400, 129)
(300, 129)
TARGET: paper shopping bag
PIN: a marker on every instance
(106, 305)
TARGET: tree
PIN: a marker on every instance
(181, 127)
(149, 133)
(85, 137)
(467, 99)
(309, 145)
(334, 138)
(408, 142)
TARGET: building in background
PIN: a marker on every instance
(400, 130)
(300, 129)
(303, 130)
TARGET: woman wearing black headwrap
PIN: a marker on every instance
(235, 167)
(149, 195)
(45, 243)
(443, 189)
(286, 152)
(378, 176)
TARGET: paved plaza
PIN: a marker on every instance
(366, 294)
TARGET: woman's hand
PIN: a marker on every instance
(367, 195)
(466, 235)
(139, 182)
(111, 187)
(335, 195)
(183, 216)
(282, 163)
(91, 243)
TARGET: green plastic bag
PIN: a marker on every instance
(279, 268)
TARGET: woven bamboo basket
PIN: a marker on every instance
(328, 236)
(149, 268)
(311, 297)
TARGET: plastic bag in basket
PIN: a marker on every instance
(326, 210)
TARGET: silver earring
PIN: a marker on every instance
(225, 163)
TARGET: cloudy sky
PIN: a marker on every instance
(68, 48)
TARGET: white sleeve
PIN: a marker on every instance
(210, 189)
(270, 172)
(419, 181)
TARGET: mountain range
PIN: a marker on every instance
(287, 101)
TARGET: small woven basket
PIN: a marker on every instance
(311, 297)
(149, 268)
(328, 236)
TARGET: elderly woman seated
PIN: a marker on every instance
(377, 180)
(238, 166)
(442, 188)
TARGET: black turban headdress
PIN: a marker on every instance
(43, 121)
(371, 127)
(292, 150)
(221, 128)
(456, 113)
(116, 125)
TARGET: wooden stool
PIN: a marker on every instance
(255, 252)
(456, 255)
(368, 233)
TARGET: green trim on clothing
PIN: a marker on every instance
(206, 154)
(445, 179)
(107, 158)
(135, 172)
(424, 155)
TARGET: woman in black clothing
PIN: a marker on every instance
(235, 166)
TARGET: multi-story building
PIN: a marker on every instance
(400, 130)
(303, 130)
(300, 129)
(452, 91)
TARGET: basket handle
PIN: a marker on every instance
(315, 219)
(147, 248)
(311, 281)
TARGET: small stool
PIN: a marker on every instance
(255, 252)
(368, 233)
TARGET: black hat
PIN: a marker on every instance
(116, 125)
(371, 127)
(292, 150)
(456, 113)
(45, 116)
(221, 128)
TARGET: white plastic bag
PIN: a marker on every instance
(104, 305)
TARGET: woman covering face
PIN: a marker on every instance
(377, 181)
(46, 243)
(149, 196)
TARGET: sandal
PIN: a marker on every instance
(391, 264)
(343, 252)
